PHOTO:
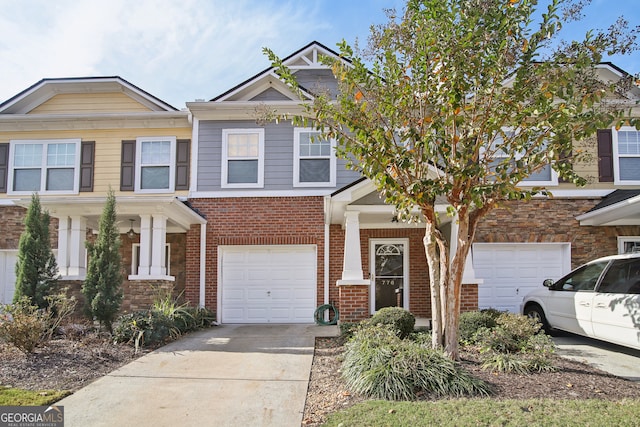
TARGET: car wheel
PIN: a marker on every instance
(534, 311)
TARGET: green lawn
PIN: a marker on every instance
(489, 412)
(19, 397)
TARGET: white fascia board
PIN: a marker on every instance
(260, 193)
(156, 119)
(613, 213)
(242, 110)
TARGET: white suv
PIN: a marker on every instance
(600, 299)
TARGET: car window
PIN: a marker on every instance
(582, 279)
(623, 277)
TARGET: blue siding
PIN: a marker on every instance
(315, 80)
(278, 164)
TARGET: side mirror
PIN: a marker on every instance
(548, 283)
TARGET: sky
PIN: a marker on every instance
(183, 50)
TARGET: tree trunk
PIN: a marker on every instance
(437, 252)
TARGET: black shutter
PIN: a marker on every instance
(87, 154)
(128, 166)
(605, 156)
(182, 164)
(4, 166)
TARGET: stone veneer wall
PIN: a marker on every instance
(552, 220)
(12, 225)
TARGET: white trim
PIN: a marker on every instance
(259, 158)
(43, 166)
(203, 265)
(372, 266)
(617, 155)
(297, 158)
(172, 164)
(195, 151)
(260, 193)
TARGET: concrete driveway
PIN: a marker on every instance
(614, 359)
(231, 375)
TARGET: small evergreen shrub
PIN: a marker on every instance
(347, 329)
(473, 321)
(23, 325)
(399, 319)
(378, 364)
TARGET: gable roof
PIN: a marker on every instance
(308, 57)
(47, 88)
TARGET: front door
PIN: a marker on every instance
(389, 274)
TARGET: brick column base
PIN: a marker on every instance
(353, 301)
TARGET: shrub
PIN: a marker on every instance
(23, 325)
(378, 364)
(165, 320)
(399, 319)
(516, 344)
(473, 321)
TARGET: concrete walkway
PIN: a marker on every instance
(231, 375)
(617, 360)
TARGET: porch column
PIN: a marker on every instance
(63, 246)
(158, 263)
(77, 257)
(144, 261)
(353, 290)
(352, 262)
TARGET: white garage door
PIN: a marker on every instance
(510, 270)
(7, 275)
(268, 284)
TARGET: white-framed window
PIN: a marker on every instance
(50, 166)
(155, 164)
(135, 258)
(626, 154)
(544, 176)
(314, 159)
(628, 244)
(242, 158)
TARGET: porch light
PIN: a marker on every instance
(131, 234)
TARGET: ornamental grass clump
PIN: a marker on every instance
(379, 364)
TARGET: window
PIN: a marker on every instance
(626, 150)
(314, 159)
(44, 166)
(242, 158)
(628, 244)
(135, 258)
(155, 160)
(583, 279)
(544, 176)
(622, 277)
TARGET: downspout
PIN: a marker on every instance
(203, 259)
(327, 225)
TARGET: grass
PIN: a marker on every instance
(489, 412)
(19, 397)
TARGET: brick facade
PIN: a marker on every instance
(253, 221)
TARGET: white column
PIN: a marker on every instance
(77, 237)
(144, 260)
(352, 262)
(158, 262)
(63, 246)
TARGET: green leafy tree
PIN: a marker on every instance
(36, 267)
(102, 288)
(460, 100)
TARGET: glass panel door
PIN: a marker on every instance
(388, 274)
